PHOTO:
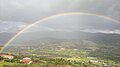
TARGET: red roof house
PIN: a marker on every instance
(26, 60)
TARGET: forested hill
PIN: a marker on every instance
(36, 38)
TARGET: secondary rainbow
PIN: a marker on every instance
(58, 15)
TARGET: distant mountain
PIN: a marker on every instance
(36, 38)
(108, 39)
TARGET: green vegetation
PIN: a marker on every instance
(64, 54)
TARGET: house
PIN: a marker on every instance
(26, 60)
(93, 61)
(62, 48)
(105, 65)
(91, 57)
(7, 56)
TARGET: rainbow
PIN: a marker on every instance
(58, 15)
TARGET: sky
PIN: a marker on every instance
(17, 14)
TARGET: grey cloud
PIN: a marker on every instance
(101, 31)
(33, 10)
(75, 23)
(29, 11)
(11, 26)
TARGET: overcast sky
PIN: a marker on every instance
(16, 14)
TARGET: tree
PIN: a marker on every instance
(1, 58)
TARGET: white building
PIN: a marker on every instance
(7, 56)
